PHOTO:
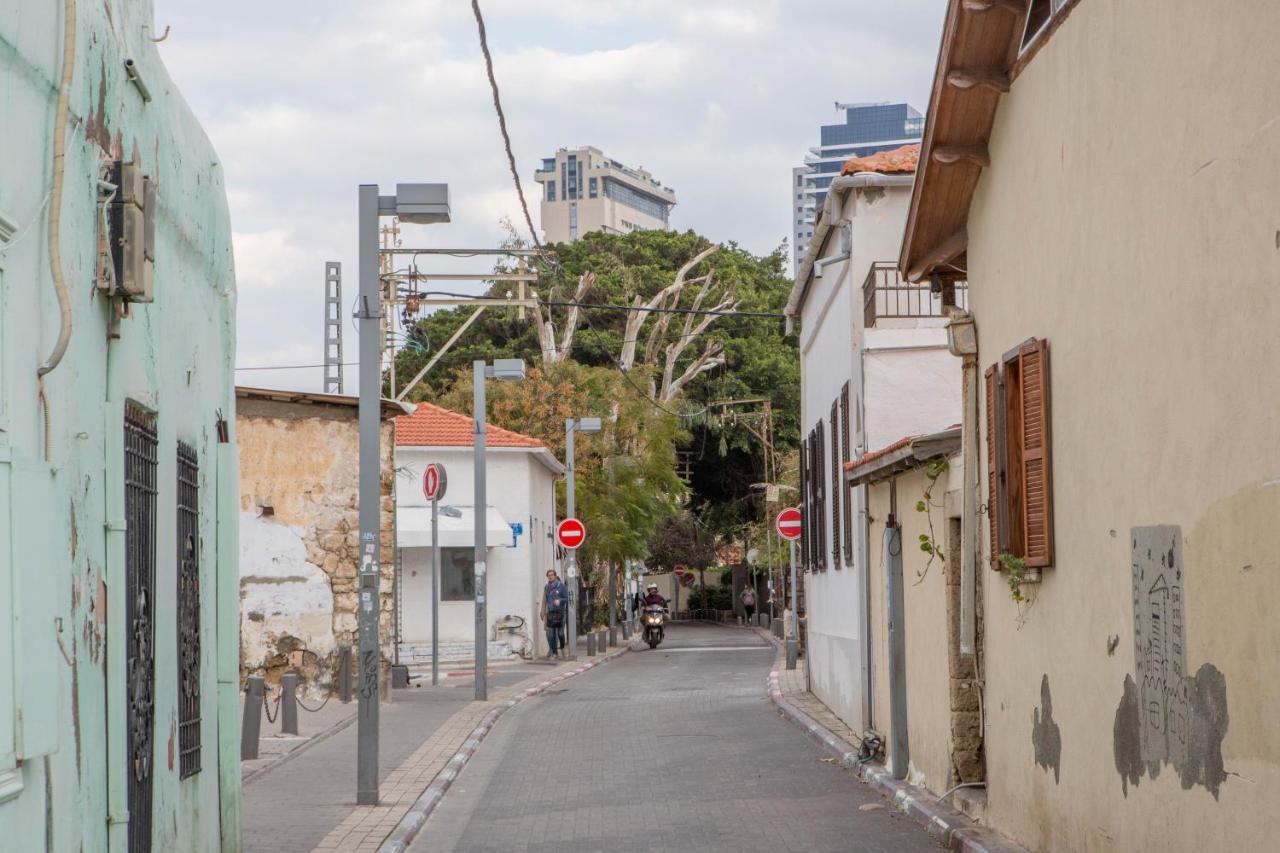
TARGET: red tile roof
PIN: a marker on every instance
(899, 160)
(433, 426)
(876, 454)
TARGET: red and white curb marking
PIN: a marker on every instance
(949, 827)
(413, 821)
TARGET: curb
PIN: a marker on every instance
(947, 826)
(319, 737)
(413, 821)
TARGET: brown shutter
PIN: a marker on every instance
(819, 498)
(804, 504)
(837, 491)
(844, 490)
(993, 464)
(1037, 495)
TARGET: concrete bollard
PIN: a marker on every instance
(613, 636)
(344, 674)
(626, 631)
(602, 640)
(289, 703)
(251, 723)
(591, 645)
(765, 621)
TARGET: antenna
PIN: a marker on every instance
(332, 327)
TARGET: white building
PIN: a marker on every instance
(585, 191)
(520, 521)
(874, 368)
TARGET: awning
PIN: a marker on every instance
(457, 527)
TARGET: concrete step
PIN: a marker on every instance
(411, 653)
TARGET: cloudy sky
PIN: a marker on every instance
(306, 100)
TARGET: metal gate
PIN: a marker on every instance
(188, 611)
(140, 455)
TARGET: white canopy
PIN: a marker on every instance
(457, 527)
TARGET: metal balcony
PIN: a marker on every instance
(885, 295)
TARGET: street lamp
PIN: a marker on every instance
(572, 425)
(417, 203)
(511, 370)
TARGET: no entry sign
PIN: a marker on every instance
(789, 523)
(434, 482)
(571, 533)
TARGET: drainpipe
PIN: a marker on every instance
(117, 630)
(227, 610)
(962, 341)
(899, 744)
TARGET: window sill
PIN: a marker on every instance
(10, 783)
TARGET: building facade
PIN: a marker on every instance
(521, 474)
(585, 191)
(1125, 305)
(300, 528)
(119, 694)
(867, 129)
(874, 368)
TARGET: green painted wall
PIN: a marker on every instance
(63, 750)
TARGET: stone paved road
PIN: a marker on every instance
(676, 749)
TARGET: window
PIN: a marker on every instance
(845, 456)
(636, 200)
(573, 221)
(593, 187)
(1039, 15)
(551, 190)
(815, 525)
(1019, 469)
(804, 503)
(188, 611)
(837, 493)
(457, 574)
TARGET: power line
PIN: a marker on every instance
(502, 121)
(699, 311)
(294, 366)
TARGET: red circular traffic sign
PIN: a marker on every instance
(434, 481)
(571, 533)
(789, 523)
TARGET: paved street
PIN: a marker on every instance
(668, 750)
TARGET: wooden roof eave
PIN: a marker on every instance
(979, 46)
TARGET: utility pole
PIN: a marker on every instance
(572, 568)
(482, 524)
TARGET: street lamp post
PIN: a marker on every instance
(571, 426)
(415, 203)
(502, 368)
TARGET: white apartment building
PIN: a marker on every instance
(584, 191)
(875, 368)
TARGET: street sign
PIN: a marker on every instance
(571, 533)
(434, 482)
(789, 524)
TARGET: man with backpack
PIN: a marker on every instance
(554, 608)
(749, 602)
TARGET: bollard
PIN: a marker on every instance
(765, 620)
(591, 645)
(613, 637)
(254, 694)
(739, 621)
(602, 641)
(626, 631)
(289, 703)
(344, 674)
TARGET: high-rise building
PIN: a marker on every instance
(867, 128)
(583, 191)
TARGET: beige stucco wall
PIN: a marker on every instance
(1130, 218)
(298, 564)
(925, 600)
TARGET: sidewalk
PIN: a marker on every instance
(789, 693)
(306, 800)
(275, 748)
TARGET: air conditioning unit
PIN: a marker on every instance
(133, 233)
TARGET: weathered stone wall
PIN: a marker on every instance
(299, 537)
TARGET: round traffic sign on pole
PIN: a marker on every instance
(571, 533)
(789, 523)
(434, 481)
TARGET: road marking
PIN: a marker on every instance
(715, 649)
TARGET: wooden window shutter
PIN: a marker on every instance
(846, 456)
(820, 498)
(995, 460)
(1037, 493)
(837, 490)
(804, 502)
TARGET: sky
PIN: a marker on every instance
(304, 101)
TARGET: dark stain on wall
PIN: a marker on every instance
(1127, 737)
(1046, 737)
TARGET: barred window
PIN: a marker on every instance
(188, 611)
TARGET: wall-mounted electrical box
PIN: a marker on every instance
(133, 233)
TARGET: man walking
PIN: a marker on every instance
(749, 602)
(555, 604)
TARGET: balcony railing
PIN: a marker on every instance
(886, 296)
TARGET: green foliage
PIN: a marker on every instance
(933, 469)
(711, 598)
(1017, 569)
(682, 540)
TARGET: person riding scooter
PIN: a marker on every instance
(653, 597)
(655, 614)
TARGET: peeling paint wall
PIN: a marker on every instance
(299, 531)
(1152, 272)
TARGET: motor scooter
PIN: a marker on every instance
(655, 617)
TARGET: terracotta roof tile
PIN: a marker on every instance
(876, 454)
(898, 161)
(433, 426)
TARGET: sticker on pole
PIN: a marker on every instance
(434, 482)
(571, 533)
(789, 523)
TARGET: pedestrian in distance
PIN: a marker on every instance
(749, 601)
(555, 605)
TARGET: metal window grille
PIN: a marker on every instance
(140, 456)
(188, 611)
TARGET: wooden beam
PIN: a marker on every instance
(986, 78)
(1016, 6)
(976, 154)
(945, 251)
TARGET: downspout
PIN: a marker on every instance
(962, 341)
(227, 609)
(899, 741)
(116, 583)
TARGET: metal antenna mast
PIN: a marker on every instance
(332, 327)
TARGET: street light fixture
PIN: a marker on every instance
(420, 203)
(571, 426)
(511, 370)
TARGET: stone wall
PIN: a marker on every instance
(299, 537)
